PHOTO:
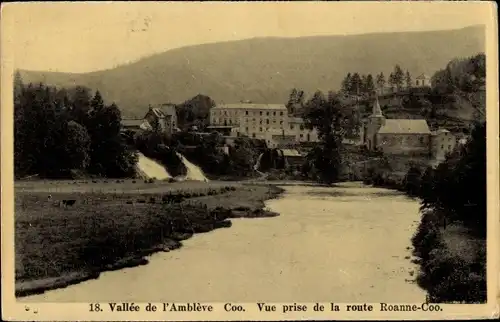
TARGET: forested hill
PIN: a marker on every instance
(266, 69)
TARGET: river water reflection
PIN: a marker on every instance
(343, 244)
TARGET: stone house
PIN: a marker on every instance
(443, 142)
(163, 118)
(410, 137)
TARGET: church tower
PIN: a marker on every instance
(375, 122)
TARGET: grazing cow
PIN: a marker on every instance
(67, 202)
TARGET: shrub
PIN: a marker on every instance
(449, 279)
(427, 237)
(461, 285)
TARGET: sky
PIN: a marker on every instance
(84, 37)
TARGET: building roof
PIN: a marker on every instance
(163, 110)
(404, 126)
(250, 106)
(146, 126)
(132, 122)
(422, 76)
(291, 153)
(440, 131)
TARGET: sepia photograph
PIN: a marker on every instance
(329, 157)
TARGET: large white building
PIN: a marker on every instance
(268, 122)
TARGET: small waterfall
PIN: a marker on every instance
(257, 164)
(151, 168)
(193, 171)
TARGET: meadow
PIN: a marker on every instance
(113, 225)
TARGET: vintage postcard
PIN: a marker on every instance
(249, 161)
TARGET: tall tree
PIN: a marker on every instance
(109, 154)
(356, 84)
(369, 86)
(80, 97)
(295, 101)
(328, 117)
(195, 111)
(408, 80)
(392, 82)
(398, 77)
(76, 146)
(381, 82)
(363, 88)
(347, 84)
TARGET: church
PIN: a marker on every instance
(411, 137)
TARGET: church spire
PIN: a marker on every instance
(376, 108)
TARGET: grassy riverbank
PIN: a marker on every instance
(104, 230)
(452, 261)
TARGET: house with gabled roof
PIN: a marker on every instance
(422, 80)
(162, 118)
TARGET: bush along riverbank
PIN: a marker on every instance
(449, 275)
(59, 246)
(451, 239)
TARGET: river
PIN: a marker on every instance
(342, 244)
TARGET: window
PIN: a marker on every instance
(246, 129)
(253, 120)
(442, 146)
(261, 113)
(267, 121)
(260, 129)
(302, 127)
(281, 122)
(421, 140)
(281, 113)
(246, 112)
(449, 147)
(274, 121)
(291, 127)
(260, 122)
(274, 113)
(267, 113)
(302, 135)
(253, 135)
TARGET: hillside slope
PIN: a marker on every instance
(265, 69)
